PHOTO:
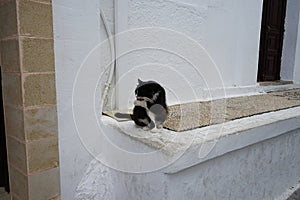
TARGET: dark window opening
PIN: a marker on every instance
(4, 178)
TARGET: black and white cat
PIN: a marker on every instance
(150, 108)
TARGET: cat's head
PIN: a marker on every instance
(149, 89)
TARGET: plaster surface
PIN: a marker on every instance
(297, 57)
(76, 31)
(289, 44)
(78, 28)
(219, 27)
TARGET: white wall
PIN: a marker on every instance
(228, 31)
(297, 56)
(265, 170)
(290, 36)
(224, 33)
(78, 29)
(76, 32)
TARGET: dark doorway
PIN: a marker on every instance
(271, 40)
(4, 178)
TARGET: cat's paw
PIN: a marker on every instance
(160, 126)
(155, 130)
(146, 128)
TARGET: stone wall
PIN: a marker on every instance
(29, 95)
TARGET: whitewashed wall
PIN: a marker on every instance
(76, 32)
(228, 31)
(263, 171)
(78, 29)
(288, 64)
(297, 56)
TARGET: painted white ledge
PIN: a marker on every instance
(288, 192)
(238, 134)
(202, 144)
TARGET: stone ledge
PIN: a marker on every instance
(203, 144)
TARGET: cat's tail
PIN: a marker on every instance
(124, 115)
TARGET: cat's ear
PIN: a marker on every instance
(139, 81)
(155, 96)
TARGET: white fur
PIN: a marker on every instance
(145, 121)
(155, 96)
(155, 130)
(146, 128)
(151, 115)
(140, 103)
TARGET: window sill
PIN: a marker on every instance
(202, 144)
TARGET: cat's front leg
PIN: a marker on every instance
(146, 128)
(150, 126)
(155, 130)
(159, 125)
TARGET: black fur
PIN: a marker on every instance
(140, 113)
(150, 98)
